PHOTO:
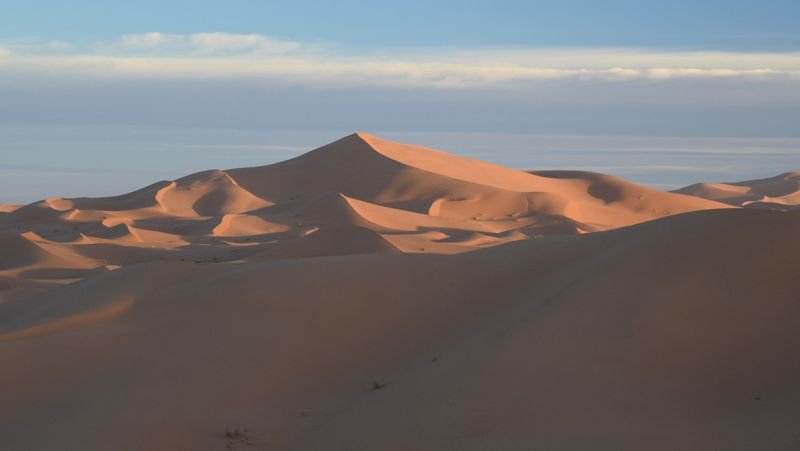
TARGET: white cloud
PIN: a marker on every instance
(204, 43)
(58, 45)
(253, 56)
(32, 47)
(662, 73)
(213, 42)
(324, 69)
(149, 40)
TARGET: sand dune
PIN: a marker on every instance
(416, 199)
(245, 225)
(624, 339)
(781, 192)
(210, 193)
(27, 254)
(9, 208)
(18, 251)
(428, 181)
(375, 295)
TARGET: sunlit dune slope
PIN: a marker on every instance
(412, 199)
(781, 192)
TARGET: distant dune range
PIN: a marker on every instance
(781, 192)
(371, 295)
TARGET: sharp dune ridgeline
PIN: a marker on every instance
(372, 295)
(781, 192)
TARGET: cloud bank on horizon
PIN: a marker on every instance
(218, 55)
(250, 80)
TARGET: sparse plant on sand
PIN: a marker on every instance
(237, 437)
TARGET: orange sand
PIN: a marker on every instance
(371, 295)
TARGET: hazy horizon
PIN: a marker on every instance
(712, 86)
(84, 160)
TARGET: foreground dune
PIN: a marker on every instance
(372, 295)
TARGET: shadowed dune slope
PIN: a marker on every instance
(18, 251)
(679, 333)
(338, 240)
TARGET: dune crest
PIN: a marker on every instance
(781, 192)
(377, 295)
(418, 199)
(9, 208)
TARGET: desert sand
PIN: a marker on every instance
(781, 192)
(372, 295)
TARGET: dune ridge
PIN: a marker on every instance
(376, 295)
(781, 192)
(415, 198)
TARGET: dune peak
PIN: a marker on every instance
(313, 282)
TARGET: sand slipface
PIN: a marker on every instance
(377, 295)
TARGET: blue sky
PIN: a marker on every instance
(78, 76)
(728, 24)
